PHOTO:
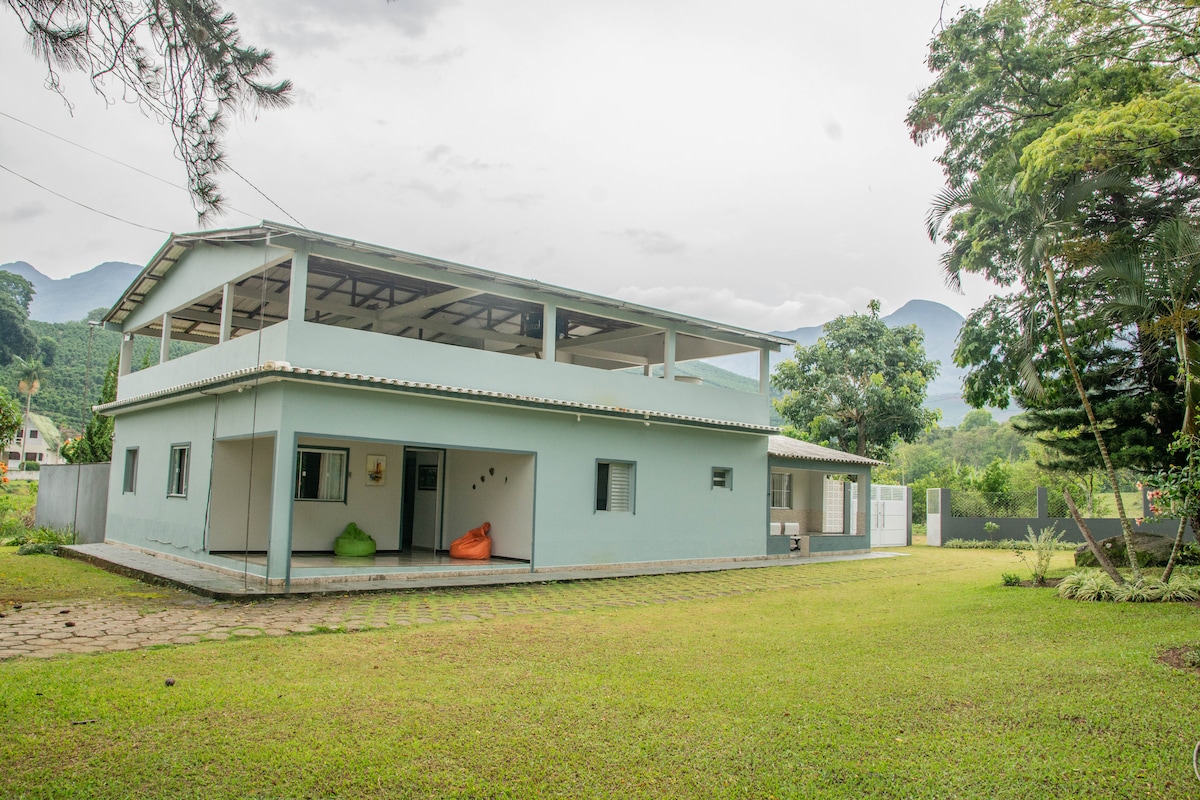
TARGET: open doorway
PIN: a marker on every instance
(421, 520)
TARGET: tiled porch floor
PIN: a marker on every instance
(382, 560)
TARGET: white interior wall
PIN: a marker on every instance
(373, 507)
(234, 488)
(491, 487)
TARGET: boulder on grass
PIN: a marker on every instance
(1152, 550)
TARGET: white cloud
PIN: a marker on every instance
(800, 310)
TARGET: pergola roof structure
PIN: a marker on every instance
(367, 287)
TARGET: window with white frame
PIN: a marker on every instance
(177, 477)
(781, 490)
(614, 485)
(129, 485)
(722, 478)
(321, 473)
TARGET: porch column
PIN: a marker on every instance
(764, 371)
(864, 490)
(549, 331)
(669, 354)
(848, 511)
(298, 291)
(226, 311)
(164, 347)
(125, 360)
(279, 541)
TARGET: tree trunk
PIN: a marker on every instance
(1126, 527)
(1101, 557)
(25, 428)
(1166, 576)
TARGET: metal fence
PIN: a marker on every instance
(993, 504)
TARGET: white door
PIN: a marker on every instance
(889, 516)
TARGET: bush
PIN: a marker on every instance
(1093, 585)
(1087, 585)
(36, 536)
(1011, 579)
(31, 466)
(1000, 544)
(1042, 544)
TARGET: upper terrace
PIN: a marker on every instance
(371, 311)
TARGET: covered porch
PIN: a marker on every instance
(412, 499)
(812, 511)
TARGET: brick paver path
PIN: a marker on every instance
(43, 630)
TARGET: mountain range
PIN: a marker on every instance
(69, 299)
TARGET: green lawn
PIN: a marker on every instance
(910, 677)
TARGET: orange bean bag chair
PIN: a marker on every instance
(475, 543)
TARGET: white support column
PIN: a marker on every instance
(669, 354)
(764, 371)
(125, 360)
(279, 542)
(298, 291)
(549, 331)
(227, 299)
(164, 347)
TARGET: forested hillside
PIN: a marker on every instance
(63, 396)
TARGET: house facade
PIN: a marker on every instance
(418, 398)
(40, 440)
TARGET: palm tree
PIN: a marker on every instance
(1157, 287)
(1039, 224)
(30, 374)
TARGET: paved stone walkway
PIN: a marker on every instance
(44, 630)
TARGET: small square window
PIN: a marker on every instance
(33, 433)
(722, 478)
(129, 485)
(614, 485)
(178, 476)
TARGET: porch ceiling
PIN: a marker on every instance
(347, 295)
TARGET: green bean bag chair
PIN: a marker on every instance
(354, 541)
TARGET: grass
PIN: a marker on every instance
(44, 578)
(902, 678)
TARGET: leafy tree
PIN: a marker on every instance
(860, 387)
(95, 445)
(10, 418)
(183, 61)
(17, 338)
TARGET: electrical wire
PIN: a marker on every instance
(81, 205)
(152, 176)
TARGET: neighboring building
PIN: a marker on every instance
(42, 440)
(419, 398)
(811, 511)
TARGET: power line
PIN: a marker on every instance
(81, 205)
(151, 175)
(264, 194)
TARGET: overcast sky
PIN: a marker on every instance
(744, 163)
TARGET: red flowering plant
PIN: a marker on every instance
(3, 472)
(1174, 492)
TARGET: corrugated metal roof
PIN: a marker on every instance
(273, 370)
(787, 447)
(178, 244)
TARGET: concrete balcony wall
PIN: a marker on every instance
(240, 353)
(325, 347)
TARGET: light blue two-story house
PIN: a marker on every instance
(348, 382)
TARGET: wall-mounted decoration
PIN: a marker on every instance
(427, 477)
(376, 470)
